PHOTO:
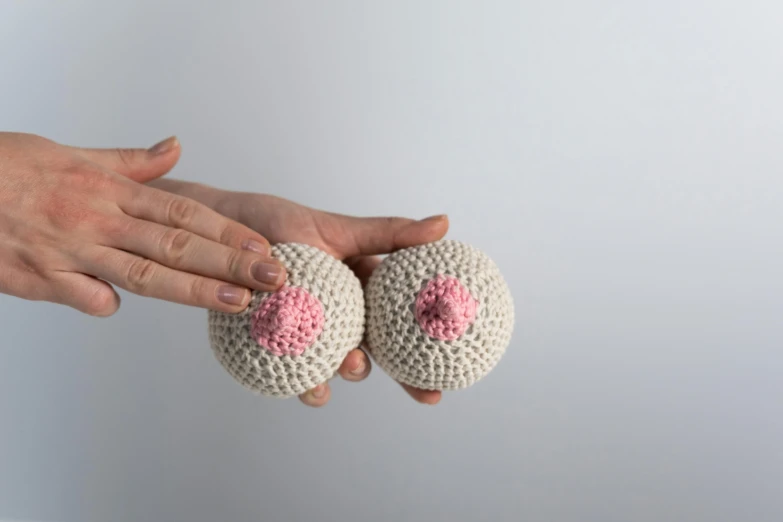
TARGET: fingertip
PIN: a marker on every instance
(238, 235)
(355, 367)
(269, 274)
(437, 224)
(283, 277)
(231, 298)
(110, 307)
(435, 219)
(424, 231)
(428, 397)
(257, 245)
(166, 146)
(317, 397)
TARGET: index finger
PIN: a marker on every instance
(151, 204)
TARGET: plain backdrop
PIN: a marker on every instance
(620, 161)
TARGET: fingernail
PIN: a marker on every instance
(319, 391)
(267, 273)
(164, 146)
(232, 295)
(437, 217)
(254, 246)
(359, 369)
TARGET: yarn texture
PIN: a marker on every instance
(288, 321)
(287, 342)
(445, 308)
(439, 316)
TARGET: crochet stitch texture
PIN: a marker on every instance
(288, 321)
(439, 316)
(287, 342)
(445, 308)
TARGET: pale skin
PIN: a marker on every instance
(75, 223)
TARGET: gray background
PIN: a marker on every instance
(621, 161)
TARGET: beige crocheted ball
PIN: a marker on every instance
(292, 340)
(439, 316)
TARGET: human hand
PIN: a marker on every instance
(356, 241)
(71, 227)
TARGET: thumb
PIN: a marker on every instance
(383, 235)
(140, 165)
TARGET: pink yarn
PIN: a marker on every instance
(445, 309)
(288, 321)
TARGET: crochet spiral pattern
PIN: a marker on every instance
(292, 340)
(445, 308)
(288, 321)
(439, 316)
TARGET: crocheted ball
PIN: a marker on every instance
(439, 316)
(292, 340)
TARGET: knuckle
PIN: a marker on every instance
(140, 275)
(199, 291)
(126, 156)
(175, 244)
(32, 262)
(117, 226)
(235, 262)
(180, 212)
(227, 235)
(232, 233)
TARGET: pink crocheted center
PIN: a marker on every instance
(288, 321)
(445, 308)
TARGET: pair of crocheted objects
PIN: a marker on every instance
(437, 316)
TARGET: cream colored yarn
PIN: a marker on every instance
(398, 343)
(256, 368)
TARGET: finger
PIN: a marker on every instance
(363, 266)
(185, 251)
(376, 235)
(22, 283)
(430, 397)
(174, 211)
(355, 366)
(85, 293)
(140, 165)
(147, 278)
(318, 396)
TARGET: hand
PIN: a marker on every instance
(71, 227)
(356, 241)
